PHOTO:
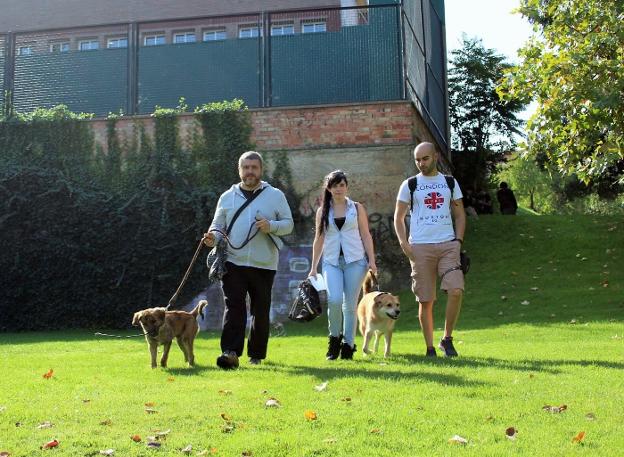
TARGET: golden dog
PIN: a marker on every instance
(161, 326)
(377, 313)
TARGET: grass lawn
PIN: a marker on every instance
(541, 325)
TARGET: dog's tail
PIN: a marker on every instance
(370, 283)
(199, 309)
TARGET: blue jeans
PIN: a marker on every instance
(343, 286)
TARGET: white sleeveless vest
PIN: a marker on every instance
(348, 237)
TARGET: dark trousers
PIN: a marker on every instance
(237, 282)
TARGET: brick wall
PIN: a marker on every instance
(371, 142)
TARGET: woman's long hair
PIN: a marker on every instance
(335, 177)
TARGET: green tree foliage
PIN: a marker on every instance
(532, 186)
(573, 67)
(483, 125)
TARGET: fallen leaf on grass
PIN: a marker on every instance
(50, 444)
(310, 415)
(86, 400)
(136, 438)
(375, 431)
(510, 433)
(226, 417)
(153, 445)
(330, 440)
(572, 322)
(5, 453)
(150, 404)
(458, 440)
(187, 450)
(150, 411)
(49, 374)
(162, 434)
(579, 438)
(346, 399)
(321, 387)
(170, 379)
(225, 392)
(46, 424)
(555, 409)
(525, 302)
(227, 428)
(246, 453)
(503, 297)
(590, 416)
(213, 450)
(534, 289)
(273, 403)
(106, 422)
(107, 452)
(2, 408)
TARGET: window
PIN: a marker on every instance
(215, 35)
(314, 27)
(186, 37)
(24, 51)
(249, 31)
(282, 29)
(59, 46)
(154, 40)
(114, 43)
(88, 45)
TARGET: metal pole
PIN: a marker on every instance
(9, 74)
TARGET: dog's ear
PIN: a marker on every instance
(378, 303)
(159, 313)
(137, 316)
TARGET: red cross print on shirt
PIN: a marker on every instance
(434, 200)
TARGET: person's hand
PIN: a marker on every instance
(372, 267)
(209, 239)
(312, 273)
(407, 250)
(263, 225)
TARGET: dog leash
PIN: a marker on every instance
(248, 238)
(173, 299)
(119, 336)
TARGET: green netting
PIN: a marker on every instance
(85, 81)
(199, 72)
(352, 64)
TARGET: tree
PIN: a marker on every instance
(573, 66)
(483, 125)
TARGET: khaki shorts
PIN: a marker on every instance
(433, 260)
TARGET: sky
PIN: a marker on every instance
(490, 20)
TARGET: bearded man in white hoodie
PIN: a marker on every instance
(252, 258)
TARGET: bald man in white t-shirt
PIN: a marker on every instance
(434, 243)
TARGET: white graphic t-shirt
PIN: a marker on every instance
(430, 220)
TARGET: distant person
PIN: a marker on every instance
(469, 204)
(506, 199)
(483, 203)
(343, 239)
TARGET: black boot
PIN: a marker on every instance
(333, 347)
(346, 351)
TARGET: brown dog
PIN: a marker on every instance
(377, 313)
(161, 326)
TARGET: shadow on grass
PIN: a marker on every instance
(549, 366)
(336, 372)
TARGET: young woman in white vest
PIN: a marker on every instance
(343, 239)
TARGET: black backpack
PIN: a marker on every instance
(413, 182)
